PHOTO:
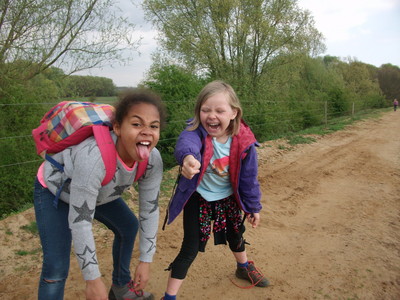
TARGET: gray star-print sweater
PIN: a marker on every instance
(84, 165)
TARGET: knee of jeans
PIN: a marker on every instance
(54, 276)
(129, 235)
(130, 229)
(55, 271)
(53, 281)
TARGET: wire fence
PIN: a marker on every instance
(271, 119)
(19, 162)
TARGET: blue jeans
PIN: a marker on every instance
(55, 237)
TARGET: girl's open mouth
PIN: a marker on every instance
(143, 150)
(213, 126)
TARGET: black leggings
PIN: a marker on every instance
(191, 244)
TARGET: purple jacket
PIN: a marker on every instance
(243, 168)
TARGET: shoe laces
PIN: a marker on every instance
(131, 286)
(257, 274)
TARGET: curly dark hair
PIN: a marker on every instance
(131, 97)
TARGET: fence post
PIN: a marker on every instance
(326, 113)
(352, 111)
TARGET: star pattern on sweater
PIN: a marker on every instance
(148, 167)
(54, 170)
(90, 147)
(152, 242)
(141, 220)
(155, 204)
(87, 257)
(85, 214)
(118, 190)
(57, 183)
(61, 183)
(66, 186)
(114, 179)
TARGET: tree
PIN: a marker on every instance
(389, 81)
(71, 34)
(89, 86)
(235, 40)
(178, 88)
(362, 88)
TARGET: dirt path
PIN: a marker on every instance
(330, 228)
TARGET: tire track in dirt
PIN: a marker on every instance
(343, 201)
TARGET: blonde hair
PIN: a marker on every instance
(210, 90)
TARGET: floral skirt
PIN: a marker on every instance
(227, 218)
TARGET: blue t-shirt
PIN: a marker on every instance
(215, 184)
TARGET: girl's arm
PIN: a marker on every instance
(85, 185)
(149, 188)
(249, 186)
(189, 143)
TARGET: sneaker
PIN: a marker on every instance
(128, 292)
(252, 274)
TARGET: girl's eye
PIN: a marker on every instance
(155, 126)
(136, 124)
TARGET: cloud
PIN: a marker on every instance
(341, 20)
(368, 31)
(133, 73)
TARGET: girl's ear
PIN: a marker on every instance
(117, 129)
(234, 114)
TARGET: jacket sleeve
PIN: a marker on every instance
(189, 142)
(249, 187)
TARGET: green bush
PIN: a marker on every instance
(178, 88)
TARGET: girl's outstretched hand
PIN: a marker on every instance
(254, 219)
(190, 166)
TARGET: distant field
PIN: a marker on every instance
(107, 100)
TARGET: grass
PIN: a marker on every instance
(299, 139)
(25, 252)
(282, 147)
(24, 207)
(333, 125)
(167, 184)
(106, 100)
(31, 228)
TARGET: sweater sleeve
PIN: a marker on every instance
(85, 184)
(149, 188)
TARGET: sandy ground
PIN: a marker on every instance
(330, 228)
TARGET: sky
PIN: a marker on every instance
(363, 30)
